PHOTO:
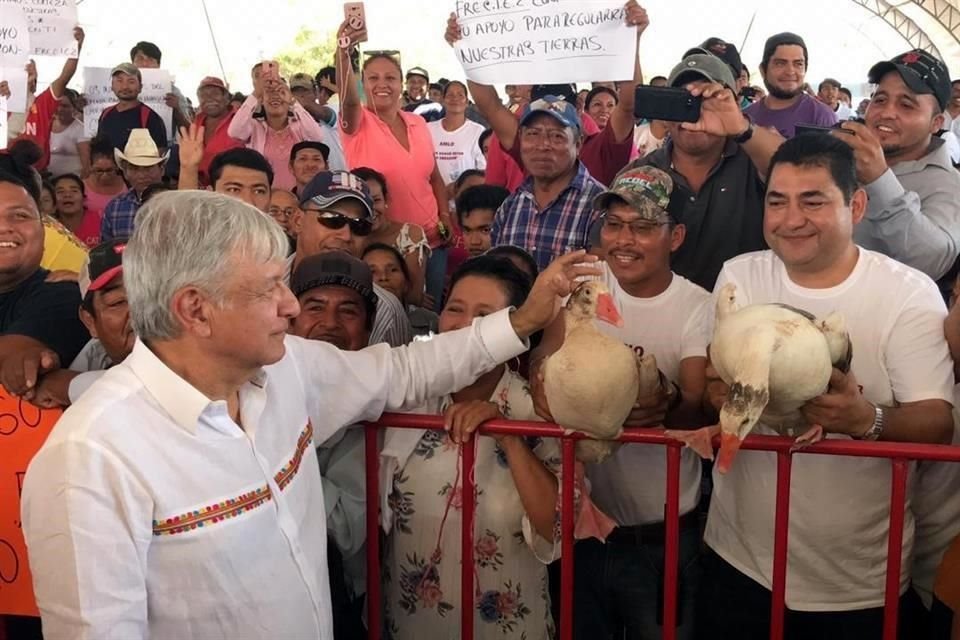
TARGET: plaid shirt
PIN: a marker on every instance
(563, 226)
(118, 216)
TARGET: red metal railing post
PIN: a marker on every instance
(778, 593)
(469, 502)
(374, 597)
(567, 474)
(898, 497)
(671, 543)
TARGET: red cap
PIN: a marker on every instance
(212, 81)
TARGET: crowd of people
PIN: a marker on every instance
(222, 310)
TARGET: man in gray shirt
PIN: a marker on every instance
(913, 213)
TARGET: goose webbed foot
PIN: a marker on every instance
(700, 440)
(812, 436)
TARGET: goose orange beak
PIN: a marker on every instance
(729, 445)
(607, 310)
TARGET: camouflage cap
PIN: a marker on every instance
(645, 189)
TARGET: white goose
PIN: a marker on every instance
(593, 380)
(774, 358)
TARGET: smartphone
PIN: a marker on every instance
(270, 71)
(666, 103)
(356, 17)
(804, 129)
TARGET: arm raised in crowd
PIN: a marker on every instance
(622, 119)
(241, 127)
(503, 123)
(59, 85)
(721, 116)
(191, 155)
(351, 109)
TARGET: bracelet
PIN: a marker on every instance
(876, 429)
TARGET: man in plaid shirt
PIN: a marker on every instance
(551, 212)
(142, 165)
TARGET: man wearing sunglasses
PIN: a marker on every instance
(336, 214)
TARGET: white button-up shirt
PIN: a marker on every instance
(150, 513)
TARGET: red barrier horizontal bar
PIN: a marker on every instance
(857, 448)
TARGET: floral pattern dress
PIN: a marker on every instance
(422, 567)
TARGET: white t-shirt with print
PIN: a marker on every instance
(630, 485)
(456, 151)
(839, 506)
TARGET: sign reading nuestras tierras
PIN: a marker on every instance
(544, 41)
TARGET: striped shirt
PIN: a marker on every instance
(118, 216)
(561, 227)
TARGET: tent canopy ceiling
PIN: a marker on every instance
(932, 25)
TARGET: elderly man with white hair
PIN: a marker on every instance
(180, 497)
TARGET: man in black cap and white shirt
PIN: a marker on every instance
(913, 213)
(335, 214)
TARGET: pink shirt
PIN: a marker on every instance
(275, 145)
(96, 202)
(408, 173)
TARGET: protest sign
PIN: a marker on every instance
(51, 24)
(14, 35)
(23, 430)
(157, 83)
(16, 78)
(544, 41)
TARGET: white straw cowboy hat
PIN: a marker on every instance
(140, 150)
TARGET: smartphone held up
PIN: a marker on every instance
(355, 16)
(666, 103)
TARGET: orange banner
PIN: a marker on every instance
(23, 429)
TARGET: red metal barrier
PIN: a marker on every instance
(900, 455)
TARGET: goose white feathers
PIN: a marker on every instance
(592, 381)
(774, 358)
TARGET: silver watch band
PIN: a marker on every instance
(873, 433)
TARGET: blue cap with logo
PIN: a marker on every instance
(328, 187)
(564, 112)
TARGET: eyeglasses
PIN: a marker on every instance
(283, 214)
(334, 220)
(639, 228)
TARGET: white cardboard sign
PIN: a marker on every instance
(544, 41)
(157, 83)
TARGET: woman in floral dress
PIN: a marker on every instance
(516, 518)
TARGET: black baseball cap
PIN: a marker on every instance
(723, 50)
(784, 39)
(418, 71)
(923, 72)
(566, 91)
(334, 268)
(310, 144)
(104, 263)
(328, 187)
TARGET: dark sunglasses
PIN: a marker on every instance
(334, 220)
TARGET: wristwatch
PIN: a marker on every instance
(873, 433)
(746, 135)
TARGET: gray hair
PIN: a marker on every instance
(188, 238)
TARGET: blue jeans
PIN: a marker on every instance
(619, 586)
(436, 275)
